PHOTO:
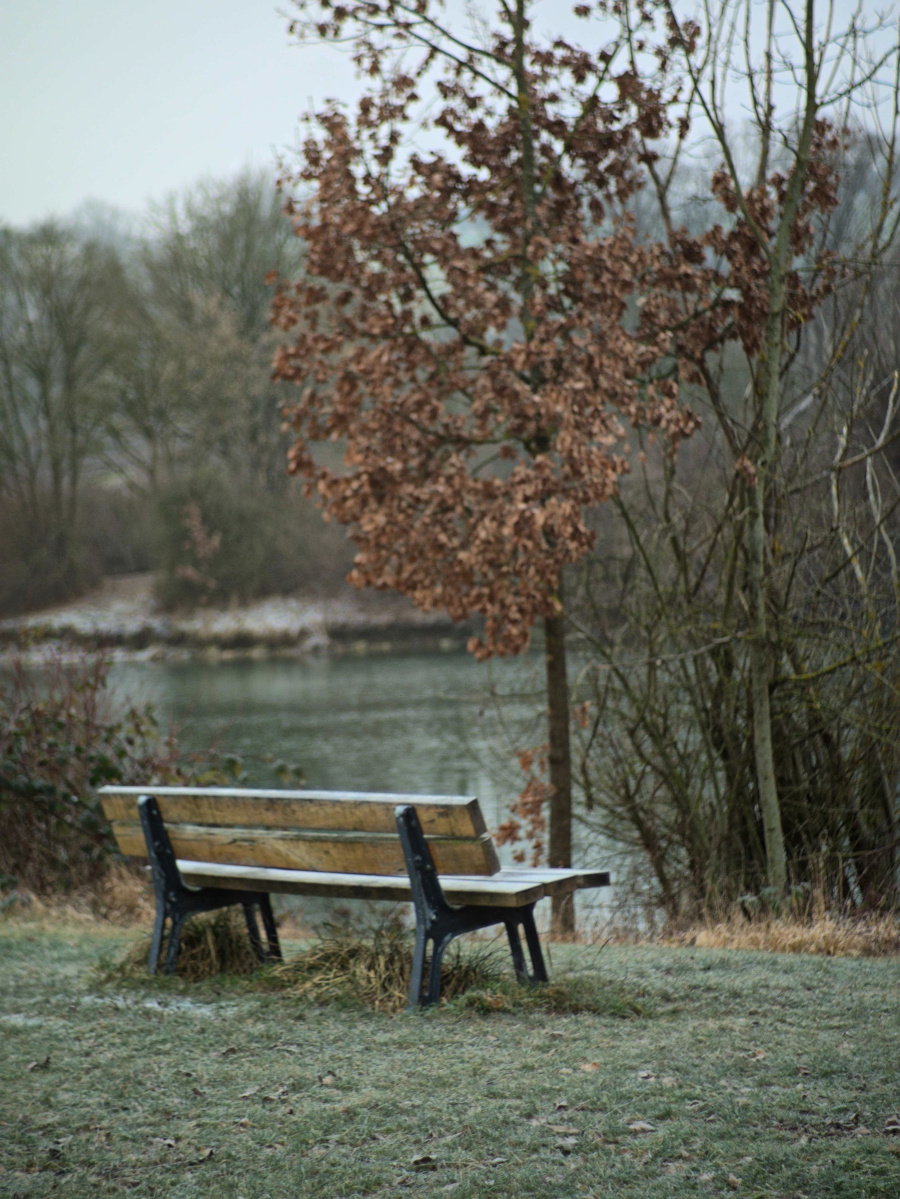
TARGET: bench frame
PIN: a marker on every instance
(439, 923)
(176, 903)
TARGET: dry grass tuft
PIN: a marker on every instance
(827, 935)
(123, 895)
(375, 969)
(120, 895)
(565, 997)
(211, 944)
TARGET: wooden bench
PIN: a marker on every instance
(210, 847)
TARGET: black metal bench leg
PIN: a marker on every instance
(538, 969)
(253, 930)
(515, 948)
(418, 967)
(175, 926)
(159, 927)
(438, 949)
(268, 918)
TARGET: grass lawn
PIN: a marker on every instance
(745, 1073)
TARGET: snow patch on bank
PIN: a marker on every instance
(123, 617)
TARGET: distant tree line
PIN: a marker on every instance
(139, 428)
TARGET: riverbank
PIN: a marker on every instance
(122, 616)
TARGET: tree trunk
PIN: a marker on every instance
(560, 757)
(768, 383)
(764, 757)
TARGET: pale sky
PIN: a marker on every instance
(125, 101)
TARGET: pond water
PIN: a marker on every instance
(440, 724)
(417, 723)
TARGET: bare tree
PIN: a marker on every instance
(59, 343)
(759, 598)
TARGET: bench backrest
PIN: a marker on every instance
(340, 832)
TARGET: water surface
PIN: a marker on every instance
(418, 723)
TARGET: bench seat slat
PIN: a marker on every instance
(551, 874)
(440, 816)
(507, 888)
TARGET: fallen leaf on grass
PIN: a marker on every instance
(328, 1079)
(639, 1126)
(757, 1055)
(38, 1065)
(423, 1161)
(646, 1075)
(733, 1181)
(205, 1155)
(232, 1049)
(566, 1144)
(843, 1122)
(589, 1067)
(564, 1129)
(892, 1126)
(249, 1093)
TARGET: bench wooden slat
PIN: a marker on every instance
(439, 815)
(551, 874)
(497, 891)
(302, 849)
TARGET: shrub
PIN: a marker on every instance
(61, 737)
(219, 541)
(31, 573)
(117, 530)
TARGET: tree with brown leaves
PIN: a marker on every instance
(469, 326)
